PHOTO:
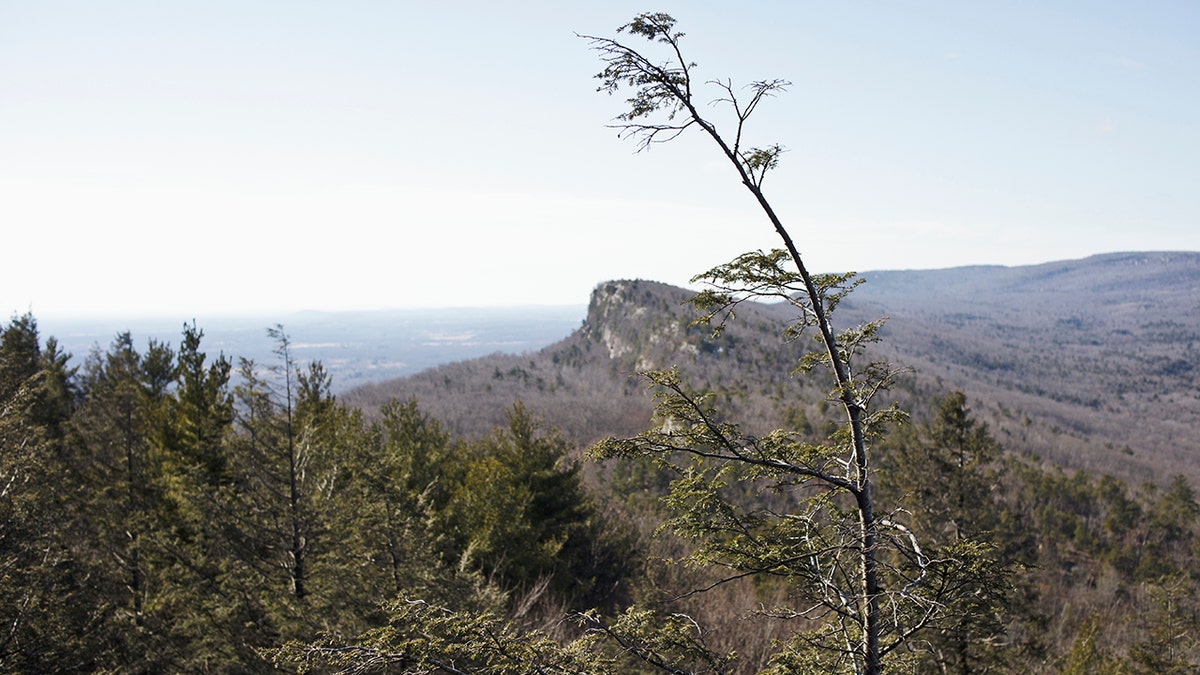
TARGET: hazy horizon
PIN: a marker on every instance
(255, 316)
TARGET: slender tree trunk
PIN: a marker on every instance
(668, 87)
(393, 547)
(854, 411)
(132, 508)
(870, 584)
(297, 549)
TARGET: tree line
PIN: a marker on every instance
(165, 511)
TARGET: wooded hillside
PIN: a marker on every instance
(1089, 364)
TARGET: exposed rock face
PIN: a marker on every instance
(645, 325)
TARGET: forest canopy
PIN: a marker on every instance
(151, 521)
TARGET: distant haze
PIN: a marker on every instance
(355, 347)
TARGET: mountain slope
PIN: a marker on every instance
(1089, 363)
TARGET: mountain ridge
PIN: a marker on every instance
(1087, 363)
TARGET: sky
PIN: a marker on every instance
(216, 157)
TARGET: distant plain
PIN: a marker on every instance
(357, 348)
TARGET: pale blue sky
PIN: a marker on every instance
(195, 158)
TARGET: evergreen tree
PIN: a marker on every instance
(48, 608)
(208, 588)
(944, 475)
(521, 510)
(123, 508)
(1170, 520)
(390, 507)
(1171, 623)
(284, 467)
(203, 415)
(1089, 655)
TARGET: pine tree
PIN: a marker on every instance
(282, 460)
(123, 509)
(944, 475)
(390, 507)
(48, 608)
(521, 509)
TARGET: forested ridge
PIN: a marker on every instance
(167, 510)
(1072, 361)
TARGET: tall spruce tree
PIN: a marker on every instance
(945, 475)
(390, 507)
(521, 509)
(207, 587)
(282, 458)
(123, 414)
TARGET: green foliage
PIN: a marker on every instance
(204, 409)
(861, 582)
(641, 639)
(776, 506)
(218, 523)
(662, 107)
(124, 394)
(1168, 628)
(389, 505)
(657, 87)
(522, 515)
(941, 476)
(422, 638)
(1170, 522)
(943, 470)
(1171, 643)
(48, 607)
(145, 526)
(1088, 656)
(286, 459)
